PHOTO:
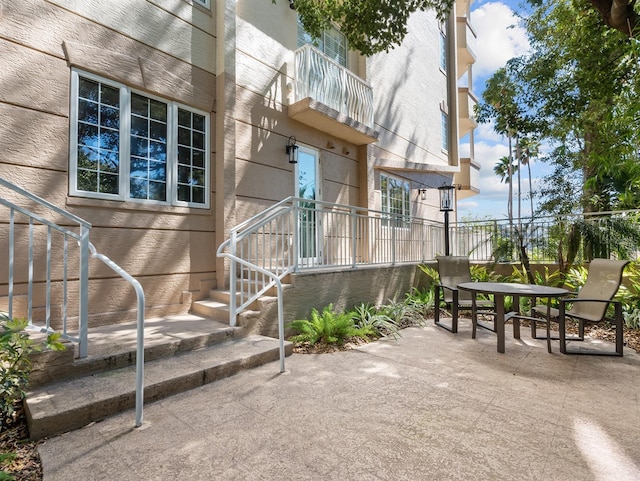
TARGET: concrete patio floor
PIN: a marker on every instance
(430, 406)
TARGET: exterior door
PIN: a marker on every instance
(308, 189)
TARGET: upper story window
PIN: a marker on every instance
(204, 3)
(443, 51)
(127, 145)
(444, 124)
(395, 200)
(332, 43)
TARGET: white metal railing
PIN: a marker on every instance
(602, 234)
(300, 234)
(27, 228)
(325, 80)
(62, 246)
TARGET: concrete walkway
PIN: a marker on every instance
(431, 406)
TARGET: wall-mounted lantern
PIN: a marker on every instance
(292, 150)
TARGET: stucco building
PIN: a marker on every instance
(164, 123)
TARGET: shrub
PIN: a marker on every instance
(369, 318)
(15, 365)
(329, 327)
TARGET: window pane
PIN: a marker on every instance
(395, 196)
(148, 139)
(191, 156)
(98, 141)
(88, 111)
(139, 126)
(88, 89)
(110, 96)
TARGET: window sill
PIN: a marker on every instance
(135, 206)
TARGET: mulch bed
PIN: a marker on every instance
(14, 438)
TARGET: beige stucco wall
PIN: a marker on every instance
(164, 47)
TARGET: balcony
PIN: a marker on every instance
(468, 178)
(466, 42)
(330, 98)
(466, 111)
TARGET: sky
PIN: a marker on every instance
(499, 38)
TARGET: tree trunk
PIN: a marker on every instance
(618, 14)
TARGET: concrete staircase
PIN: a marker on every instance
(182, 352)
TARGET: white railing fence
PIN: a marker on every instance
(47, 266)
(325, 80)
(298, 234)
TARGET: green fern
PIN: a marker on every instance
(329, 326)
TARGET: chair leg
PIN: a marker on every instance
(436, 310)
(619, 328)
(561, 328)
(454, 313)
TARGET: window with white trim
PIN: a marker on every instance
(127, 145)
(443, 51)
(332, 43)
(444, 125)
(395, 200)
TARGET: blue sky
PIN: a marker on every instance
(499, 38)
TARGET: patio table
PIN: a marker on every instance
(501, 289)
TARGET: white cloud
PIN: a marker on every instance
(499, 38)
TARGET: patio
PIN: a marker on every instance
(433, 405)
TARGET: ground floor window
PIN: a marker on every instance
(395, 200)
(127, 145)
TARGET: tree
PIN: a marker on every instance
(580, 83)
(373, 26)
(504, 169)
(618, 14)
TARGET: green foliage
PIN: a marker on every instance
(328, 327)
(15, 365)
(370, 26)
(6, 458)
(367, 318)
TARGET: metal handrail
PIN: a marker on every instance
(86, 249)
(346, 237)
(278, 285)
(139, 328)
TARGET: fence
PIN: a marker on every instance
(550, 239)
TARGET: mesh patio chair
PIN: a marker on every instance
(454, 270)
(589, 305)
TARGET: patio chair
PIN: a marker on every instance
(590, 304)
(454, 270)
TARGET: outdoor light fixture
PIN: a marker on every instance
(423, 194)
(292, 150)
(292, 5)
(446, 198)
(446, 206)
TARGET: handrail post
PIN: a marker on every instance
(354, 234)
(83, 322)
(232, 280)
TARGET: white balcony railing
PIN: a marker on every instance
(322, 79)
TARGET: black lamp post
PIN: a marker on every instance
(446, 206)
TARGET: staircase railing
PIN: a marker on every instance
(300, 234)
(38, 229)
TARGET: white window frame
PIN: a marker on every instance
(444, 126)
(443, 52)
(124, 146)
(322, 42)
(406, 203)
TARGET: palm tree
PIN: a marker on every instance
(529, 149)
(504, 169)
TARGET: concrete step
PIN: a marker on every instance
(114, 346)
(63, 406)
